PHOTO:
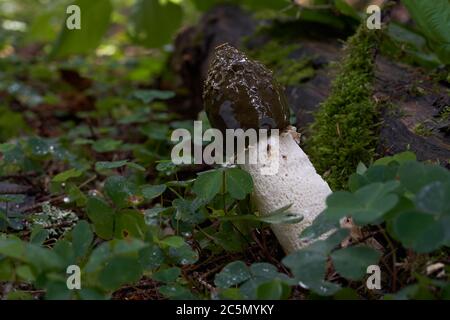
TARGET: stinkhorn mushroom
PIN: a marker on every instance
(241, 93)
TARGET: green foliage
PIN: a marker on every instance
(405, 44)
(410, 197)
(95, 20)
(344, 131)
(133, 243)
(11, 123)
(406, 200)
(66, 175)
(352, 262)
(236, 182)
(153, 22)
(104, 195)
(433, 20)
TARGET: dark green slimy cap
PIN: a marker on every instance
(241, 93)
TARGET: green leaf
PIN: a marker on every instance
(66, 175)
(273, 290)
(367, 205)
(173, 241)
(64, 249)
(82, 238)
(264, 270)
(151, 192)
(231, 293)
(399, 158)
(76, 195)
(102, 216)
(155, 131)
(321, 224)
(107, 165)
(413, 44)
(152, 215)
(147, 96)
(239, 183)
(376, 200)
(434, 198)
(352, 262)
(122, 192)
(176, 292)
(331, 242)
(282, 215)
(17, 198)
(308, 266)
(42, 259)
(419, 231)
(4, 222)
(325, 288)
(347, 9)
(106, 145)
(38, 235)
(279, 216)
(41, 29)
(6, 270)
(433, 19)
(13, 248)
(167, 167)
(128, 246)
(167, 275)
(151, 257)
(184, 254)
(119, 271)
(95, 20)
(346, 294)
(415, 175)
(57, 290)
(233, 274)
(129, 223)
(154, 23)
(208, 184)
(135, 166)
(230, 239)
(188, 211)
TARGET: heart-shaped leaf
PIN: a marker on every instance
(352, 262)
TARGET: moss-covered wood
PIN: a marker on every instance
(344, 131)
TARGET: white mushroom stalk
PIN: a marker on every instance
(296, 182)
(242, 94)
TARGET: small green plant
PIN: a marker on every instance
(85, 178)
(397, 201)
(432, 21)
(421, 130)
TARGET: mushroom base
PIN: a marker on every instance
(296, 183)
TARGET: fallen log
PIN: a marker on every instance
(414, 105)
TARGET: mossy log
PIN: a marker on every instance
(414, 107)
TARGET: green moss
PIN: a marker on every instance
(421, 130)
(344, 131)
(287, 70)
(445, 114)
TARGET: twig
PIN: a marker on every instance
(394, 259)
